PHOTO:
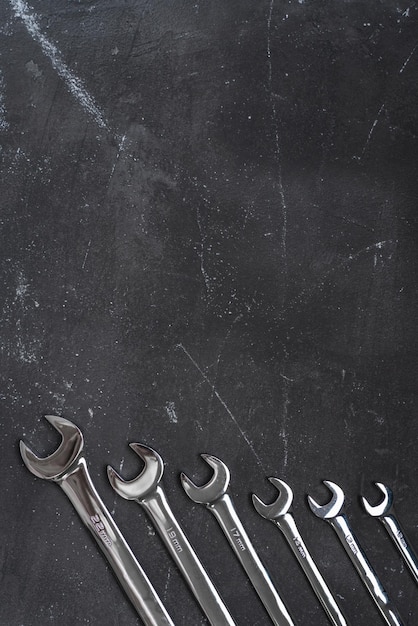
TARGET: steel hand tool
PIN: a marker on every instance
(214, 495)
(279, 512)
(149, 493)
(67, 467)
(332, 513)
(386, 513)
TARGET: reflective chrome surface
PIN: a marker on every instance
(386, 513)
(214, 495)
(147, 491)
(68, 468)
(332, 513)
(279, 512)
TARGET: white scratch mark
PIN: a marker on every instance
(22, 288)
(120, 149)
(408, 59)
(223, 403)
(86, 255)
(306, 293)
(4, 124)
(73, 82)
(171, 412)
(369, 136)
(277, 139)
(201, 253)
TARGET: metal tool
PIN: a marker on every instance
(67, 467)
(332, 513)
(214, 495)
(148, 492)
(279, 512)
(386, 513)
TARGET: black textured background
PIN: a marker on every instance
(208, 244)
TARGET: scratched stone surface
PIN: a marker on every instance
(208, 245)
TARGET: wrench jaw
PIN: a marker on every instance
(214, 489)
(384, 508)
(140, 487)
(56, 466)
(280, 506)
(333, 508)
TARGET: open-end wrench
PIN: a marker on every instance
(386, 513)
(149, 493)
(279, 512)
(332, 513)
(214, 495)
(67, 467)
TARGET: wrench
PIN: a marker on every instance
(214, 495)
(67, 467)
(386, 513)
(279, 512)
(331, 512)
(147, 491)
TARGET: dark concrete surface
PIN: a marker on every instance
(208, 244)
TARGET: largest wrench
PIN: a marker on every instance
(67, 467)
(217, 499)
(332, 513)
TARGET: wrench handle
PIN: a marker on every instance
(179, 547)
(365, 570)
(396, 532)
(287, 525)
(79, 488)
(224, 511)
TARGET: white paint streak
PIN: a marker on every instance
(306, 293)
(74, 83)
(4, 124)
(408, 59)
(277, 139)
(120, 149)
(223, 403)
(86, 255)
(369, 136)
(171, 412)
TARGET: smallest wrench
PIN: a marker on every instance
(279, 512)
(332, 513)
(386, 513)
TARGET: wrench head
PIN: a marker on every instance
(57, 464)
(333, 508)
(280, 506)
(214, 489)
(379, 510)
(146, 482)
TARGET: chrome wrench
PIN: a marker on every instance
(386, 513)
(149, 493)
(279, 512)
(332, 513)
(214, 495)
(67, 467)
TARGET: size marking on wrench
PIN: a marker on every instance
(67, 467)
(146, 489)
(279, 512)
(386, 513)
(332, 513)
(214, 495)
